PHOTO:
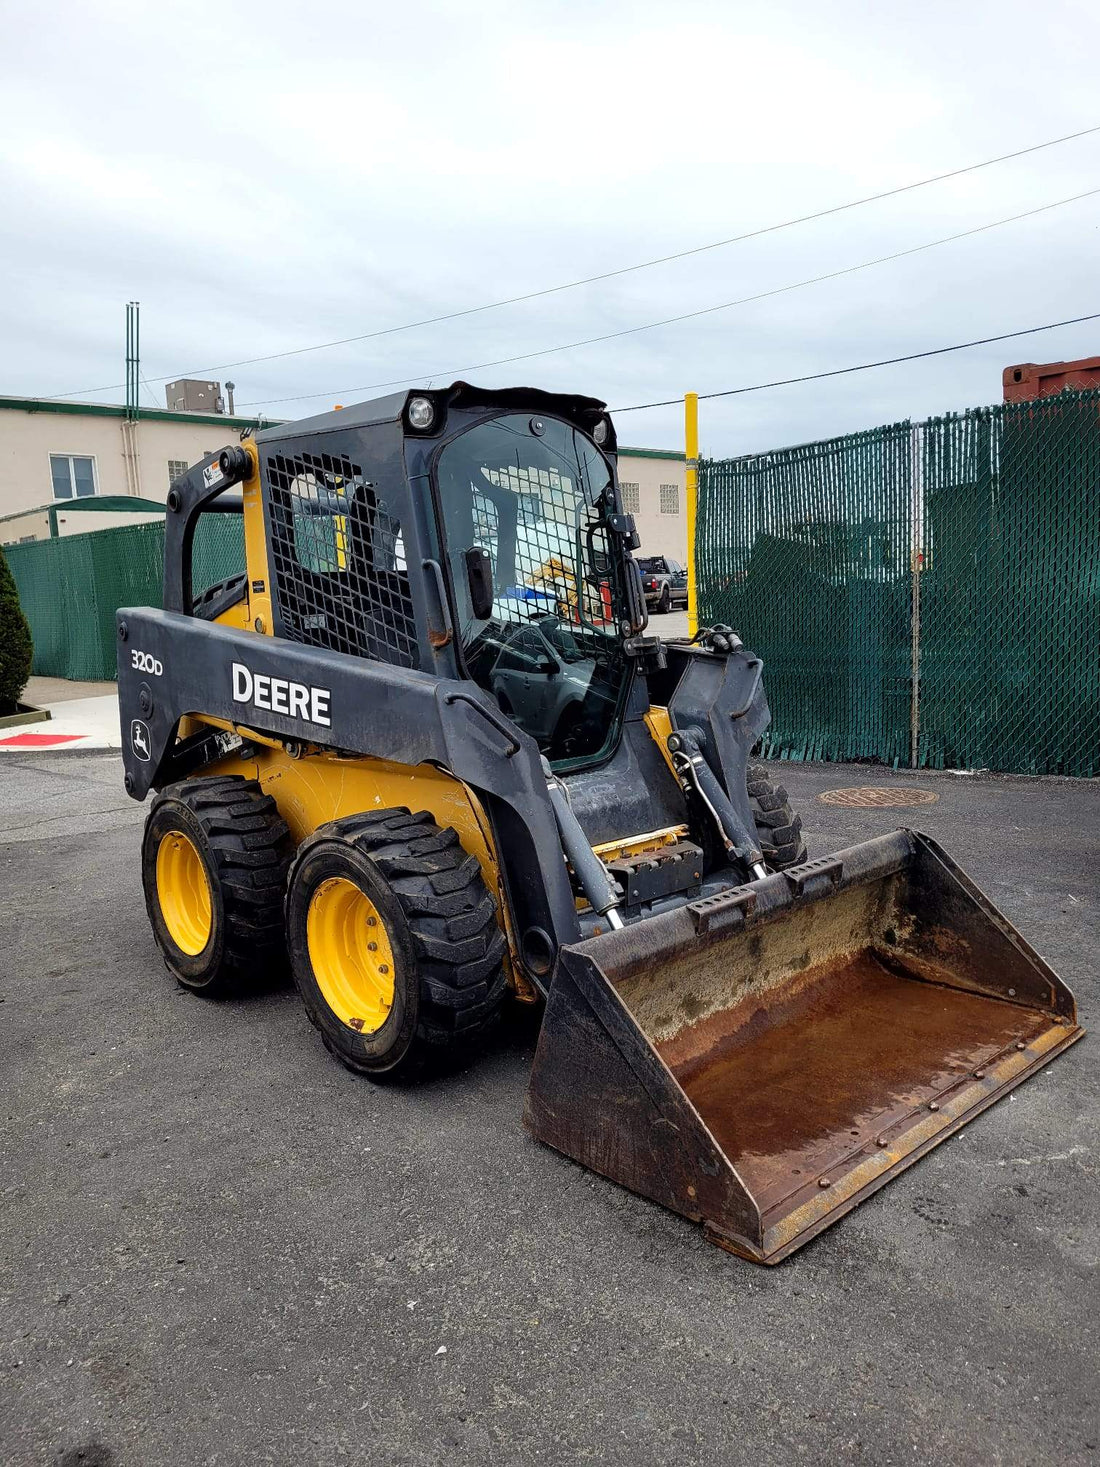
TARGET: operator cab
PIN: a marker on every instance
(461, 533)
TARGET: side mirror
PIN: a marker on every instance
(623, 524)
(479, 576)
(547, 667)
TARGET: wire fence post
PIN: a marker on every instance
(691, 491)
(916, 510)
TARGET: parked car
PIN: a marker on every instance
(546, 680)
(665, 582)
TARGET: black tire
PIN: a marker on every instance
(778, 828)
(244, 848)
(440, 921)
(664, 601)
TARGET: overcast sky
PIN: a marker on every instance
(265, 176)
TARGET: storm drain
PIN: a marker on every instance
(881, 799)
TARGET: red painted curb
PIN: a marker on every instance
(38, 741)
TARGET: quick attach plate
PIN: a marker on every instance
(654, 874)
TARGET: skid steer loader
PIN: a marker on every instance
(424, 747)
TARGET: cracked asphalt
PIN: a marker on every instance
(218, 1247)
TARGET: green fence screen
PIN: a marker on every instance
(923, 594)
(70, 588)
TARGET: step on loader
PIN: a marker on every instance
(424, 749)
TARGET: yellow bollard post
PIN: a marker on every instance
(691, 453)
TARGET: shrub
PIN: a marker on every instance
(16, 648)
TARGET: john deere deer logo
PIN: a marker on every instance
(139, 739)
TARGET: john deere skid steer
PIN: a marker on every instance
(424, 748)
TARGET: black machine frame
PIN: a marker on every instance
(311, 696)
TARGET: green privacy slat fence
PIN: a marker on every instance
(71, 588)
(965, 548)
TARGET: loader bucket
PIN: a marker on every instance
(762, 1060)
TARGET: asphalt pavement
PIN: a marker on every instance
(218, 1247)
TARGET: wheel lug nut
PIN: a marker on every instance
(372, 947)
(383, 967)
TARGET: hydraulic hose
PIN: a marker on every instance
(594, 878)
(696, 775)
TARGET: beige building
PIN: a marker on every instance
(653, 486)
(55, 456)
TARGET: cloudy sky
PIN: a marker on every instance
(268, 176)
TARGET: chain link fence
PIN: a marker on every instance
(923, 594)
(70, 588)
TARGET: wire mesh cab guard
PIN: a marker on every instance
(338, 560)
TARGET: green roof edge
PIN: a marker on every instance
(166, 415)
(650, 453)
(110, 503)
(116, 410)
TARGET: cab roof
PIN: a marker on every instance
(390, 408)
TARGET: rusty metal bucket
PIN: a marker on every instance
(762, 1060)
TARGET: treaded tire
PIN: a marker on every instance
(664, 601)
(245, 849)
(441, 922)
(778, 828)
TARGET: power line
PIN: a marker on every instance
(610, 274)
(937, 351)
(454, 372)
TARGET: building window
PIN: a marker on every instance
(631, 497)
(670, 499)
(73, 477)
(177, 467)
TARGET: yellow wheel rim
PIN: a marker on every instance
(351, 954)
(183, 891)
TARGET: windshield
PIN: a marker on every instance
(535, 493)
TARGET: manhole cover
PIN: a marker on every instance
(881, 799)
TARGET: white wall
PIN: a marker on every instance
(662, 533)
(36, 524)
(83, 521)
(33, 526)
(28, 438)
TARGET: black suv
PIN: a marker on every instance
(664, 580)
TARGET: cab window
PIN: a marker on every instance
(536, 493)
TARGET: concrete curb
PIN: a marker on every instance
(77, 724)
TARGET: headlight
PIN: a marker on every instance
(601, 432)
(421, 412)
